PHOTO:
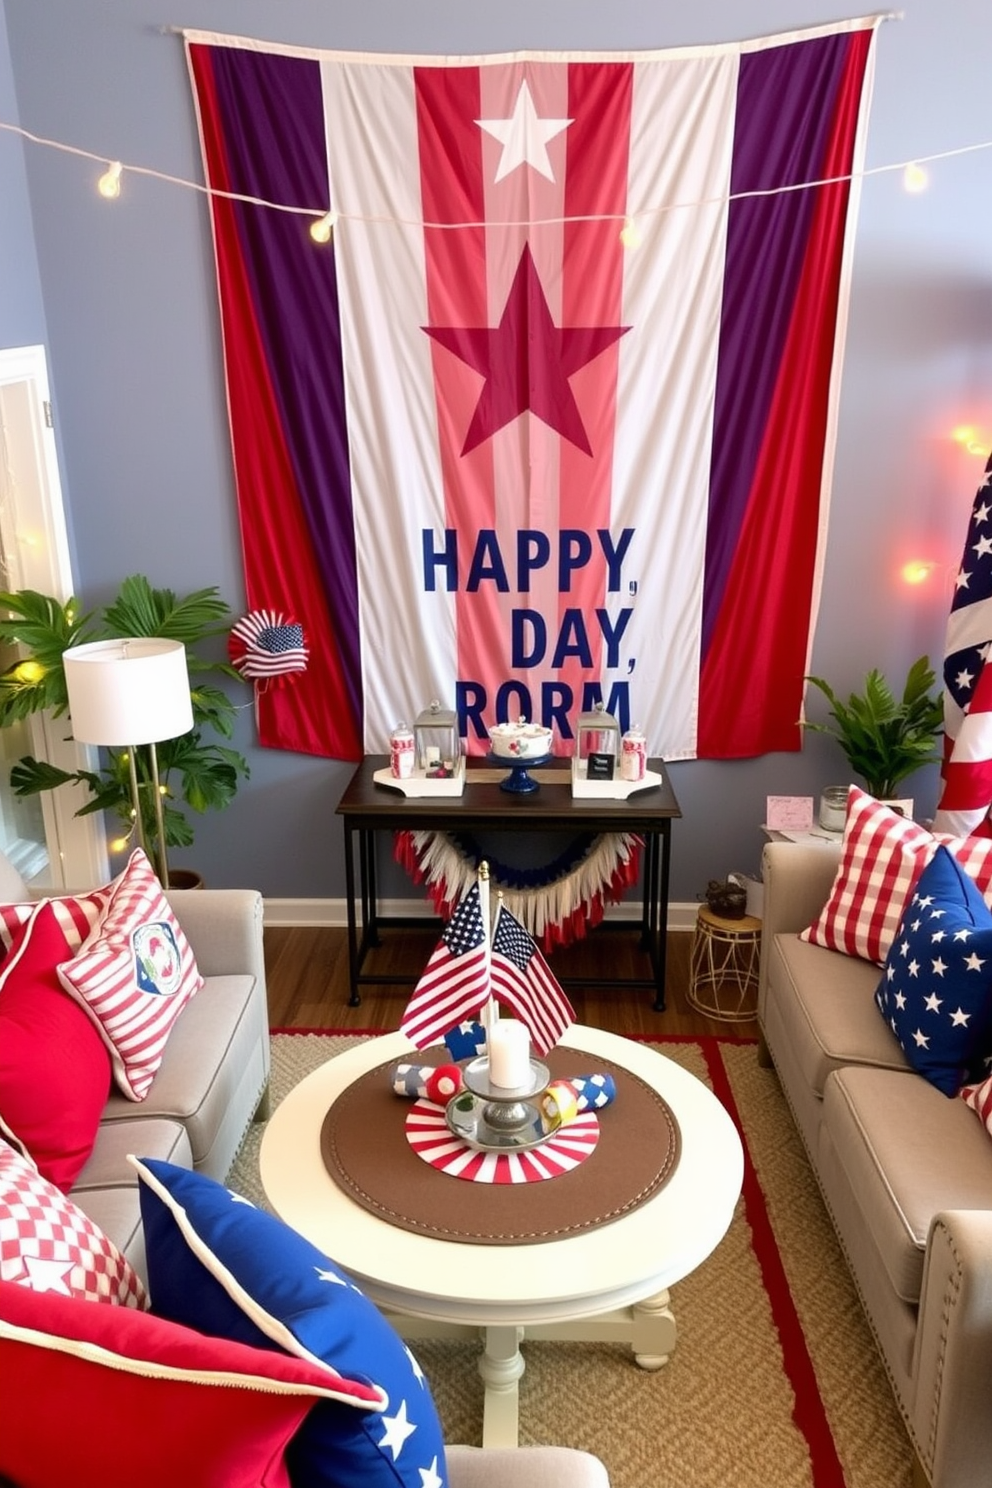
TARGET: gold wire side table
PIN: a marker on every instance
(723, 968)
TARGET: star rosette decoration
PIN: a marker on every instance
(268, 648)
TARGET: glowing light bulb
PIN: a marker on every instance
(30, 671)
(916, 571)
(109, 184)
(630, 233)
(119, 844)
(915, 178)
(322, 230)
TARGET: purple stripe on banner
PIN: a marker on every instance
(766, 247)
(273, 116)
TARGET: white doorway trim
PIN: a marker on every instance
(35, 545)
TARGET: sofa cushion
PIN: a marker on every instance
(882, 856)
(50, 1245)
(134, 975)
(907, 1153)
(101, 1395)
(107, 1188)
(54, 1069)
(825, 1005)
(212, 1073)
(936, 990)
(217, 1263)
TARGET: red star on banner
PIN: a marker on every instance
(526, 361)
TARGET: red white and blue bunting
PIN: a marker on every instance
(556, 904)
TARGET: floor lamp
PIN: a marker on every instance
(128, 693)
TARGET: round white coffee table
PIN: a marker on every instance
(608, 1283)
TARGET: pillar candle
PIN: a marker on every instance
(509, 1054)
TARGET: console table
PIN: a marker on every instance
(367, 808)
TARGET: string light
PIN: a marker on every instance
(917, 571)
(903, 166)
(109, 184)
(630, 233)
(914, 178)
(322, 230)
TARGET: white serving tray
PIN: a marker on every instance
(609, 790)
(419, 784)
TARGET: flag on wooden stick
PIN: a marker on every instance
(966, 792)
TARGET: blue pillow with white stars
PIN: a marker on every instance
(218, 1264)
(936, 989)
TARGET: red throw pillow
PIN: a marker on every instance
(104, 1395)
(54, 1067)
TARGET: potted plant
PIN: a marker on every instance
(884, 738)
(196, 771)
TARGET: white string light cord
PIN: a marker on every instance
(110, 182)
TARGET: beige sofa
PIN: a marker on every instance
(905, 1171)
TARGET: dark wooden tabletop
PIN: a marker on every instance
(368, 804)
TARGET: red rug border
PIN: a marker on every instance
(808, 1410)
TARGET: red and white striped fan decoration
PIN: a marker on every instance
(268, 648)
(432, 1139)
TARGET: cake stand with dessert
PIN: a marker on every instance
(522, 746)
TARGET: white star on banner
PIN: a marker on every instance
(398, 1428)
(524, 137)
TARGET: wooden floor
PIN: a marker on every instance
(307, 975)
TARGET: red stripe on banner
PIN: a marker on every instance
(752, 672)
(452, 190)
(303, 717)
(599, 103)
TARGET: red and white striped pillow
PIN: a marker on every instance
(979, 1098)
(49, 1245)
(882, 856)
(134, 975)
(78, 916)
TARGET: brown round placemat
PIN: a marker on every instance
(365, 1151)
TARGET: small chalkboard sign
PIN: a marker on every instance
(599, 766)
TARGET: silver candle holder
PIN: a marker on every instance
(494, 1118)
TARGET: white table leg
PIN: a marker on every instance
(501, 1366)
(653, 1333)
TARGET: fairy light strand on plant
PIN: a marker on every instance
(629, 223)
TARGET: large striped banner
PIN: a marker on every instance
(490, 449)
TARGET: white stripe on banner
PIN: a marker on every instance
(408, 638)
(672, 295)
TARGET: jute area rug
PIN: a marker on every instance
(775, 1381)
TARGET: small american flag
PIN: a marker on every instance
(522, 979)
(966, 793)
(265, 644)
(455, 983)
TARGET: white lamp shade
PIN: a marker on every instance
(132, 691)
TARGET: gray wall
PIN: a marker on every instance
(132, 332)
(22, 320)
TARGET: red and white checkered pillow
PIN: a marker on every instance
(49, 1245)
(77, 915)
(882, 856)
(134, 976)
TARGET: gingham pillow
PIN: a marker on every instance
(882, 856)
(77, 915)
(49, 1245)
(134, 976)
